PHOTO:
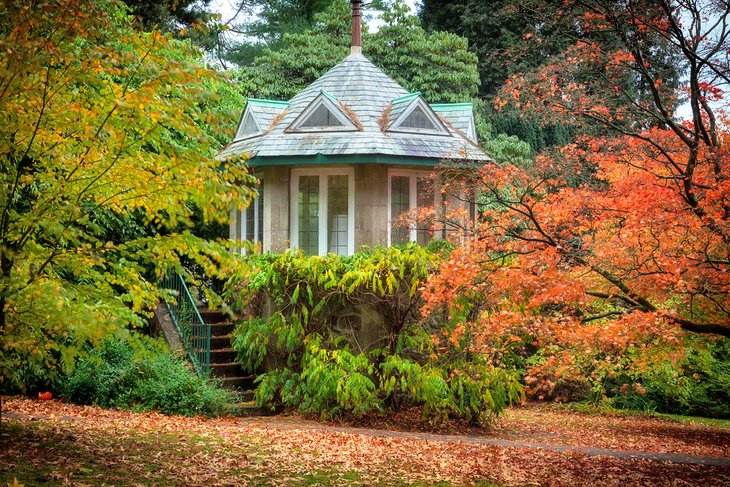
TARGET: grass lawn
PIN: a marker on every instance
(51, 443)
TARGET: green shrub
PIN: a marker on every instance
(314, 369)
(699, 384)
(690, 376)
(330, 382)
(136, 374)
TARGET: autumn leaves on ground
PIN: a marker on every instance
(51, 443)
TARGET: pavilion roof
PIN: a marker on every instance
(367, 102)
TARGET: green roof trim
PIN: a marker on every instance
(258, 102)
(328, 95)
(321, 159)
(450, 107)
(408, 97)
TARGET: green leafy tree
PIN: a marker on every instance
(499, 34)
(513, 38)
(169, 15)
(273, 20)
(437, 64)
(99, 123)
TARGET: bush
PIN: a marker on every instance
(314, 370)
(699, 384)
(136, 374)
(330, 382)
(690, 375)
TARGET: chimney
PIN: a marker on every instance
(356, 47)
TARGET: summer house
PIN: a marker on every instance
(344, 158)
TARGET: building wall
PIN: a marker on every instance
(363, 325)
(371, 206)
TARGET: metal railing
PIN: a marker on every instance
(195, 334)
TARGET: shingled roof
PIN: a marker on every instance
(355, 88)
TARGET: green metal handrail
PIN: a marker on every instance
(195, 334)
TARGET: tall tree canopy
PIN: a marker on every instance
(640, 246)
(272, 20)
(511, 38)
(99, 122)
(498, 32)
(169, 15)
(437, 64)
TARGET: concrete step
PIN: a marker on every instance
(247, 395)
(211, 315)
(226, 369)
(216, 341)
(249, 408)
(222, 356)
(240, 383)
(223, 341)
(221, 329)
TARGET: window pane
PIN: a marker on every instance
(337, 214)
(249, 221)
(309, 214)
(399, 203)
(260, 203)
(418, 120)
(321, 117)
(248, 126)
(424, 199)
(235, 224)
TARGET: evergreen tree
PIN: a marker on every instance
(169, 15)
(273, 19)
(512, 39)
(437, 64)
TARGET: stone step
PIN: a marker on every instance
(242, 383)
(223, 341)
(221, 329)
(247, 395)
(222, 356)
(226, 369)
(237, 383)
(249, 408)
(216, 341)
(212, 316)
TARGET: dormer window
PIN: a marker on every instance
(321, 117)
(323, 114)
(417, 117)
(248, 127)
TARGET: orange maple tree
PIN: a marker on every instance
(622, 237)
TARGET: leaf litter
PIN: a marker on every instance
(61, 444)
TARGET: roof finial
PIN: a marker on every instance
(356, 47)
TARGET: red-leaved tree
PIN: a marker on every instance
(617, 239)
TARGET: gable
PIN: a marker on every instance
(417, 117)
(249, 126)
(323, 114)
(258, 116)
(459, 116)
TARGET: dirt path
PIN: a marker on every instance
(50, 443)
(299, 424)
